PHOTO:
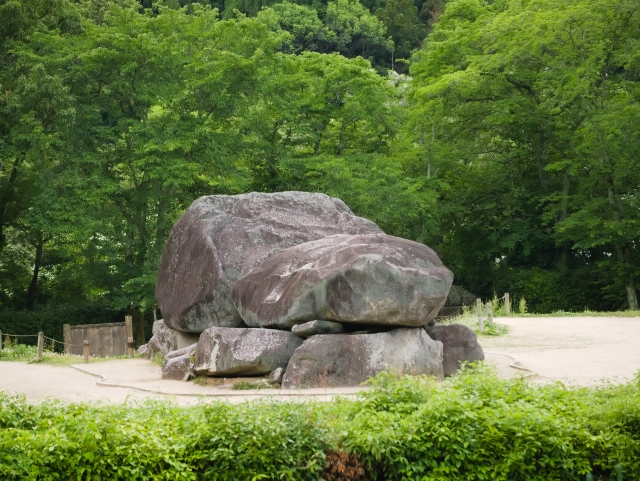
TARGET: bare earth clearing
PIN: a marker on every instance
(579, 350)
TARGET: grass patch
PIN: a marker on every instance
(469, 318)
(246, 385)
(12, 351)
(585, 313)
(158, 358)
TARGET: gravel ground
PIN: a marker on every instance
(578, 350)
(574, 350)
(126, 380)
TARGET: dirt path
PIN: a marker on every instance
(129, 380)
(580, 350)
(577, 350)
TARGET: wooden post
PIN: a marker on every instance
(66, 337)
(479, 309)
(0, 340)
(130, 346)
(128, 322)
(155, 315)
(507, 304)
(489, 313)
(40, 346)
(85, 351)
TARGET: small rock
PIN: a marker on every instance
(317, 327)
(460, 344)
(176, 368)
(165, 340)
(459, 296)
(276, 376)
(177, 364)
(142, 350)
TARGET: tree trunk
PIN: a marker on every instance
(632, 295)
(128, 246)
(7, 196)
(161, 227)
(316, 148)
(540, 163)
(33, 286)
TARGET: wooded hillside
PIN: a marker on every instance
(506, 137)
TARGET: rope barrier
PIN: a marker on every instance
(5, 335)
(19, 335)
(64, 343)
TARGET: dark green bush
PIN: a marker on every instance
(217, 441)
(549, 290)
(50, 319)
(473, 427)
(478, 427)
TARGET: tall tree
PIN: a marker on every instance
(526, 95)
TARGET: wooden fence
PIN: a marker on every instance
(112, 339)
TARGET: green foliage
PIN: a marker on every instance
(308, 33)
(526, 131)
(358, 32)
(469, 318)
(403, 25)
(474, 426)
(247, 386)
(479, 427)
(510, 149)
(158, 358)
(13, 351)
(50, 319)
(159, 441)
(522, 306)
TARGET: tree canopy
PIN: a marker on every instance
(505, 137)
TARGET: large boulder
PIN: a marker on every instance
(225, 351)
(341, 360)
(365, 279)
(460, 345)
(221, 238)
(165, 340)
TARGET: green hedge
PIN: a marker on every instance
(473, 427)
(50, 319)
(548, 290)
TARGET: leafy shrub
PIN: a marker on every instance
(16, 352)
(159, 440)
(549, 290)
(471, 427)
(50, 319)
(478, 427)
(469, 318)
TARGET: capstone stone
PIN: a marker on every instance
(221, 238)
(362, 279)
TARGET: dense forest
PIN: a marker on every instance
(504, 134)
